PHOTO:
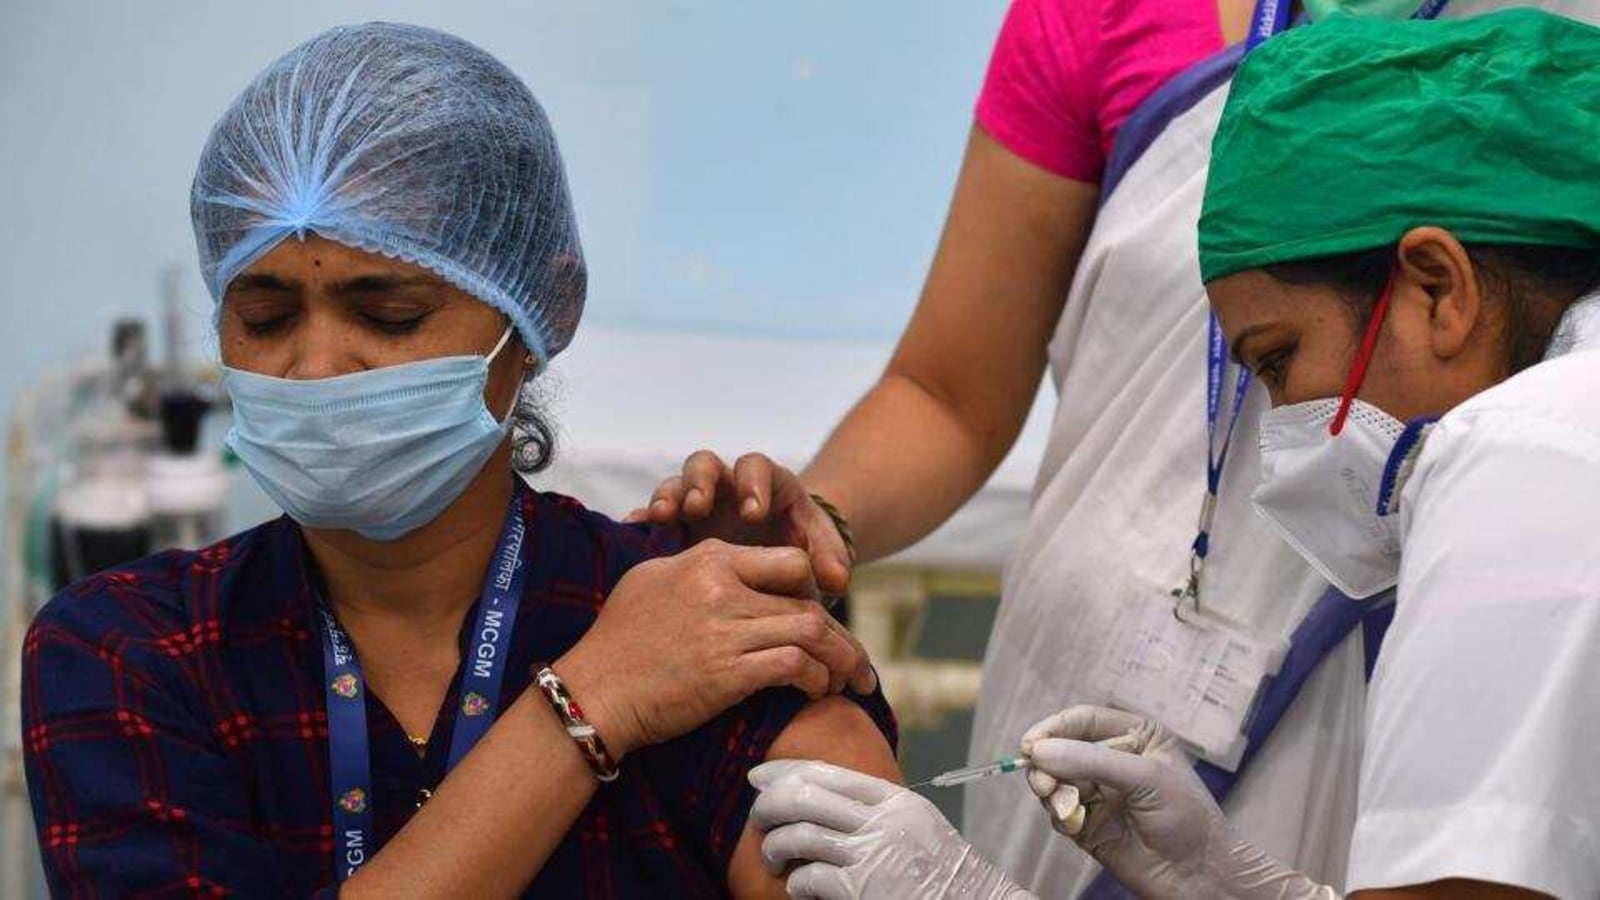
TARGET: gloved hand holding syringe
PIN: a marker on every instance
(1064, 802)
(841, 835)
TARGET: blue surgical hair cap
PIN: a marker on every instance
(402, 141)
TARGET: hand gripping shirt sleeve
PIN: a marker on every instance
(700, 797)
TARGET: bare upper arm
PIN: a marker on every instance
(978, 339)
(835, 730)
(1451, 888)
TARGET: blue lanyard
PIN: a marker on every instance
(1272, 16)
(1431, 9)
(1216, 456)
(349, 754)
(1216, 368)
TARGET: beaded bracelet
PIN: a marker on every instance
(578, 728)
(840, 523)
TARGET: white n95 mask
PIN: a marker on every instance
(382, 452)
(1320, 491)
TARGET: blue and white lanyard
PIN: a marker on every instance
(1270, 18)
(1216, 456)
(349, 754)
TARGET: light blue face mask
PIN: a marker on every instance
(382, 452)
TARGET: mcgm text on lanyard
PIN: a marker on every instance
(349, 755)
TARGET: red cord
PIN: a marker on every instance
(1358, 369)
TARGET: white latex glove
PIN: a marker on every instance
(846, 835)
(1150, 820)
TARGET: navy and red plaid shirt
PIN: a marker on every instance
(177, 743)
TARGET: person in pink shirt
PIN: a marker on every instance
(1063, 77)
(1066, 73)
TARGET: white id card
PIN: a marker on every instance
(1199, 677)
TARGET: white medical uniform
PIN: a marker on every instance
(1114, 513)
(1483, 740)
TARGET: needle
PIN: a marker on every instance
(1125, 742)
(975, 773)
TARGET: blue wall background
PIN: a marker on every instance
(739, 166)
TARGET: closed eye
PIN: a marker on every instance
(269, 325)
(389, 323)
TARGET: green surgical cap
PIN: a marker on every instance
(1343, 135)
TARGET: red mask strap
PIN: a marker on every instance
(1358, 368)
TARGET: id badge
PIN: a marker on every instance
(1200, 677)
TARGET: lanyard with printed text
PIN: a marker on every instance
(1272, 16)
(349, 754)
(1216, 456)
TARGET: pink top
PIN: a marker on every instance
(1066, 73)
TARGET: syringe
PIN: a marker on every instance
(975, 773)
(1010, 764)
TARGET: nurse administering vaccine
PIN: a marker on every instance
(1399, 239)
